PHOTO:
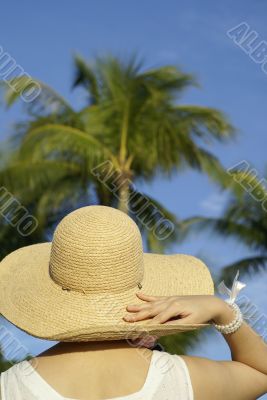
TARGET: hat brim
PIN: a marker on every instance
(32, 301)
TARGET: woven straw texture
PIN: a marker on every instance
(77, 287)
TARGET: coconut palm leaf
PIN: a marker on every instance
(28, 180)
(4, 364)
(85, 76)
(60, 199)
(247, 266)
(48, 101)
(244, 219)
(53, 140)
(205, 123)
(158, 225)
(180, 343)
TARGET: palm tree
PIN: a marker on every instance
(244, 219)
(132, 124)
(131, 129)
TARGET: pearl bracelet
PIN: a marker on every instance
(234, 325)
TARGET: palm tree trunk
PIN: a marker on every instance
(124, 194)
(123, 179)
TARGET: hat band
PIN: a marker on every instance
(138, 285)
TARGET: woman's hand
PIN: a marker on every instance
(196, 309)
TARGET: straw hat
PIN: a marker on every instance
(77, 287)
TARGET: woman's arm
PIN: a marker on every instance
(245, 344)
(244, 378)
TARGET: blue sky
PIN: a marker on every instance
(43, 36)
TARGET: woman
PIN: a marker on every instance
(96, 292)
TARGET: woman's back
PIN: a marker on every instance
(122, 374)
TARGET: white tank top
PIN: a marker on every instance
(167, 379)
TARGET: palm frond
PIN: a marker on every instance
(252, 236)
(85, 76)
(159, 226)
(246, 184)
(204, 123)
(206, 162)
(180, 343)
(47, 101)
(27, 180)
(4, 363)
(59, 199)
(166, 82)
(56, 140)
(247, 266)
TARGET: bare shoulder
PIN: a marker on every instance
(224, 379)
